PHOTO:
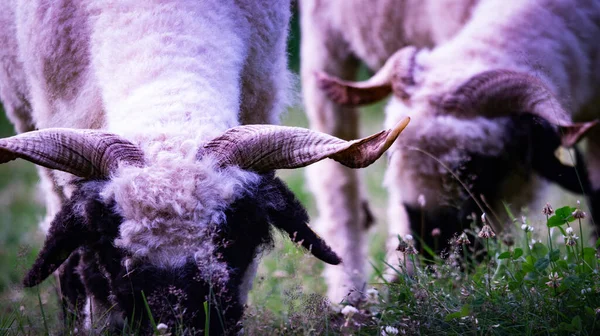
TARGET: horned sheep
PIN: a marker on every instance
(493, 88)
(160, 193)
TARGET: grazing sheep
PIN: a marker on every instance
(491, 102)
(157, 197)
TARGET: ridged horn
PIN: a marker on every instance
(396, 76)
(84, 153)
(264, 148)
(500, 92)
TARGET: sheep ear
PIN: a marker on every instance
(67, 232)
(572, 133)
(289, 215)
(544, 139)
(396, 76)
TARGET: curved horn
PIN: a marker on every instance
(396, 75)
(498, 92)
(266, 147)
(84, 153)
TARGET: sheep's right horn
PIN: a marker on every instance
(264, 148)
(499, 92)
(84, 153)
(396, 75)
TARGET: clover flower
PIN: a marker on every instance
(578, 214)
(547, 210)
(162, 329)
(571, 237)
(349, 311)
(389, 330)
(526, 228)
(554, 280)
(372, 296)
(486, 232)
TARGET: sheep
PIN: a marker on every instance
(153, 127)
(493, 89)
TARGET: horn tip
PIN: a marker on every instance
(332, 259)
(395, 132)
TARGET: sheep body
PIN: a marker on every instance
(552, 41)
(168, 76)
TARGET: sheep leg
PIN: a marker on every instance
(398, 220)
(593, 167)
(342, 219)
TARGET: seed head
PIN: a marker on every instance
(463, 239)
(410, 250)
(402, 245)
(486, 232)
(421, 200)
(548, 211)
(578, 214)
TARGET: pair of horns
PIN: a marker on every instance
(490, 93)
(261, 148)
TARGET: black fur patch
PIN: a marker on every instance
(84, 232)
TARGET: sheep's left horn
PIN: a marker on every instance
(84, 153)
(396, 75)
(266, 147)
(498, 92)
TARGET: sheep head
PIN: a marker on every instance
(182, 232)
(490, 130)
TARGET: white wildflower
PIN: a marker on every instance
(526, 228)
(372, 296)
(349, 311)
(569, 230)
(389, 330)
(161, 329)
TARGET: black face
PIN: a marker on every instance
(529, 148)
(84, 232)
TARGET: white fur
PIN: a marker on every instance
(168, 76)
(170, 208)
(554, 40)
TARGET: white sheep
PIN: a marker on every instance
(487, 104)
(156, 195)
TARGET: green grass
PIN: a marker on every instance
(287, 297)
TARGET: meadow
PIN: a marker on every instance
(529, 282)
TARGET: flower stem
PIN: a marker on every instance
(489, 277)
(581, 238)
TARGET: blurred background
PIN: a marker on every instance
(288, 284)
